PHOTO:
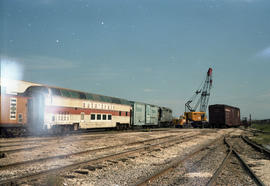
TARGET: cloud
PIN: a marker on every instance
(11, 69)
(265, 53)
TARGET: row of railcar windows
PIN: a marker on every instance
(98, 106)
(89, 96)
(120, 113)
(98, 117)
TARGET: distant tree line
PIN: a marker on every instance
(263, 121)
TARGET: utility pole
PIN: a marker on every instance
(249, 119)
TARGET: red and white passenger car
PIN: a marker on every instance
(44, 107)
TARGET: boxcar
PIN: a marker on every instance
(137, 114)
(165, 116)
(144, 114)
(64, 109)
(224, 116)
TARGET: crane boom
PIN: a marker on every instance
(204, 92)
(198, 118)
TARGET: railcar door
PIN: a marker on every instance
(148, 115)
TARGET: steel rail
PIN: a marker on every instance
(82, 152)
(247, 168)
(253, 176)
(255, 146)
(173, 165)
(20, 149)
(15, 145)
(83, 138)
(37, 175)
(218, 171)
(221, 166)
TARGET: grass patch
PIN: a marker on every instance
(262, 139)
(263, 127)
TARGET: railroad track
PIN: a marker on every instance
(26, 141)
(232, 151)
(168, 169)
(145, 147)
(80, 153)
(255, 146)
(255, 131)
(10, 151)
(34, 142)
(173, 165)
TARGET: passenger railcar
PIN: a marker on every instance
(45, 108)
(13, 113)
(64, 109)
(221, 116)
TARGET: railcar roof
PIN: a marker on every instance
(222, 105)
(133, 102)
(84, 95)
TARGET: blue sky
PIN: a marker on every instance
(153, 51)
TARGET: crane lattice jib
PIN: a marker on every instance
(205, 94)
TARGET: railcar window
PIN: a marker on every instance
(93, 116)
(104, 117)
(67, 113)
(106, 99)
(89, 96)
(96, 97)
(74, 94)
(65, 93)
(109, 117)
(120, 113)
(82, 116)
(20, 117)
(98, 116)
(56, 92)
(82, 95)
(115, 100)
(35, 89)
(126, 113)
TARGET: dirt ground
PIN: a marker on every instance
(122, 171)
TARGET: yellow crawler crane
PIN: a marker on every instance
(191, 115)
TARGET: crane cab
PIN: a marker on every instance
(196, 116)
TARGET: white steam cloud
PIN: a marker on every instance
(10, 71)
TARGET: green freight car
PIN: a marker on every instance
(144, 115)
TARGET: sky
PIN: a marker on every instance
(152, 51)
